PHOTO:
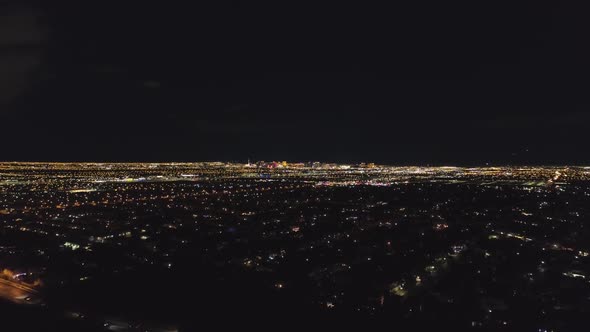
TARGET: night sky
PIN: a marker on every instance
(462, 83)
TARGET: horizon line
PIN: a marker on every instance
(308, 161)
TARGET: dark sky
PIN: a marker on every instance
(429, 83)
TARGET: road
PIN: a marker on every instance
(17, 293)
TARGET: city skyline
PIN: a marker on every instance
(172, 246)
(247, 165)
